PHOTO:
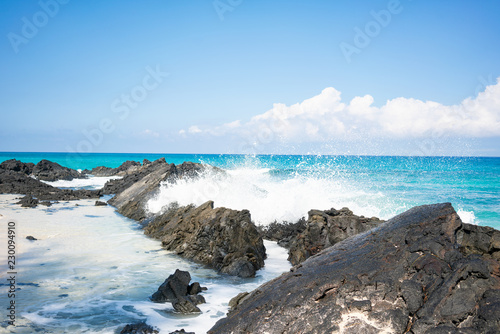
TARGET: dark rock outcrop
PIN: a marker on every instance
(177, 290)
(100, 203)
(125, 168)
(32, 238)
(17, 166)
(28, 202)
(15, 179)
(134, 190)
(283, 233)
(181, 331)
(324, 229)
(47, 170)
(423, 271)
(221, 238)
(139, 328)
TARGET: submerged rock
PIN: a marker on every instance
(423, 271)
(177, 290)
(139, 328)
(221, 238)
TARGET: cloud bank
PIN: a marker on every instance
(325, 118)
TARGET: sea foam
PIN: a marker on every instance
(271, 197)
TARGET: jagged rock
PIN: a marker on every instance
(47, 170)
(134, 190)
(185, 305)
(283, 232)
(423, 271)
(28, 202)
(176, 289)
(139, 328)
(125, 168)
(99, 203)
(324, 229)
(17, 166)
(18, 182)
(182, 331)
(221, 238)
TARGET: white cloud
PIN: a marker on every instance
(325, 117)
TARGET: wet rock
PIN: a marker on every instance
(423, 271)
(283, 232)
(176, 289)
(182, 331)
(32, 238)
(324, 229)
(99, 203)
(47, 170)
(139, 328)
(221, 238)
(134, 190)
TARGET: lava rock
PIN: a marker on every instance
(182, 331)
(28, 201)
(125, 168)
(283, 232)
(139, 328)
(176, 289)
(221, 238)
(17, 166)
(32, 238)
(47, 170)
(99, 203)
(423, 271)
(324, 229)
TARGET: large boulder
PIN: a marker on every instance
(423, 271)
(221, 238)
(47, 170)
(324, 229)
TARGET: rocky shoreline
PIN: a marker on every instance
(423, 271)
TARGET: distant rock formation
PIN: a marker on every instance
(423, 271)
(47, 170)
(125, 168)
(224, 239)
(16, 178)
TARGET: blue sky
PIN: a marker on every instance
(239, 76)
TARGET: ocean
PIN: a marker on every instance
(92, 270)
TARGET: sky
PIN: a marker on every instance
(408, 77)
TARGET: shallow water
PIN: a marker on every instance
(92, 271)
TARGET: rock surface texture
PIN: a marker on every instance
(324, 229)
(423, 271)
(221, 238)
(47, 170)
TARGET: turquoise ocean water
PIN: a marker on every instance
(92, 270)
(278, 185)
